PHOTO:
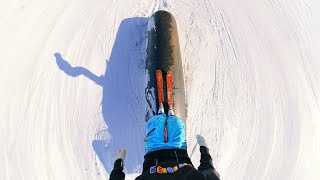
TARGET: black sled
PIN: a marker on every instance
(163, 53)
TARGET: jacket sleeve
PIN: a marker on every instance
(206, 167)
(117, 172)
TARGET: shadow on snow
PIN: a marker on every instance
(123, 86)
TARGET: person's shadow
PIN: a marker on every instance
(123, 99)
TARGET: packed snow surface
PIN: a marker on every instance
(72, 86)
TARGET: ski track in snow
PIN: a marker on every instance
(73, 75)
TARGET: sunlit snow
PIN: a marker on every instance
(73, 75)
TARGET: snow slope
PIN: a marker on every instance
(72, 86)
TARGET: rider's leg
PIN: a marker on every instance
(154, 139)
(176, 132)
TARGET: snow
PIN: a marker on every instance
(72, 86)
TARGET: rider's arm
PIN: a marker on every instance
(117, 172)
(206, 167)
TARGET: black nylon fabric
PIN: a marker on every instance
(169, 158)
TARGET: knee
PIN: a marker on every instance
(157, 118)
(175, 120)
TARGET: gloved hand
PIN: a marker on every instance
(201, 141)
(121, 154)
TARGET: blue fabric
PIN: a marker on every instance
(155, 133)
